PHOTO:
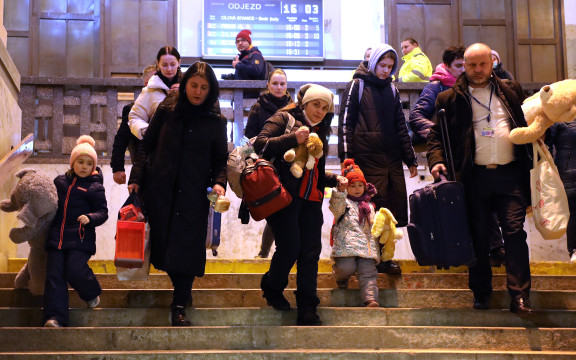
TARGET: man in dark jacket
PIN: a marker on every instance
(481, 110)
(249, 64)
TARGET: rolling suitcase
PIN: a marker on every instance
(438, 230)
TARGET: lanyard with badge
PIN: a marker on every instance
(487, 131)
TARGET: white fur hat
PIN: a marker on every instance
(85, 147)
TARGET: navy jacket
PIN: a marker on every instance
(420, 120)
(252, 65)
(561, 138)
(78, 196)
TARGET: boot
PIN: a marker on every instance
(179, 316)
(307, 316)
(273, 297)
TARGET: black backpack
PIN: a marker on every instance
(269, 68)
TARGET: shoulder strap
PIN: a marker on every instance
(290, 123)
(360, 89)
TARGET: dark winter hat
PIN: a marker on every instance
(244, 34)
(352, 172)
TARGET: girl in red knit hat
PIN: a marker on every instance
(354, 249)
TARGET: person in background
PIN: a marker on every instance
(417, 66)
(183, 152)
(561, 138)
(249, 64)
(372, 130)
(71, 240)
(367, 54)
(497, 67)
(420, 120)
(166, 80)
(124, 139)
(481, 110)
(298, 227)
(275, 97)
(355, 250)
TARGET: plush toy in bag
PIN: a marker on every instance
(36, 199)
(384, 228)
(304, 155)
(553, 103)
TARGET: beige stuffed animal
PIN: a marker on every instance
(304, 155)
(36, 199)
(384, 227)
(553, 103)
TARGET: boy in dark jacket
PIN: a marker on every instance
(72, 238)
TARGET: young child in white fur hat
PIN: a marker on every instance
(71, 241)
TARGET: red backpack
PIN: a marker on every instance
(263, 192)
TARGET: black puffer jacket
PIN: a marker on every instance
(456, 101)
(279, 143)
(265, 107)
(78, 196)
(561, 138)
(251, 66)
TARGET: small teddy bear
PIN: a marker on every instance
(553, 103)
(384, 227)
(36, 199)
(304, 155)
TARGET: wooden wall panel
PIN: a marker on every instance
(493, 36)
(544, 67)
(80, 44)
(53, 6)
(522, 19)
(122, 39)
(542, 19)
(524, 72)
(153, 30)
(16, 16)
(52, 48)
(492, 9)
(86, 7)
(19, 52)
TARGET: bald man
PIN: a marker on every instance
(481, 110)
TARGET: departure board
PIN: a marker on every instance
(282, 30)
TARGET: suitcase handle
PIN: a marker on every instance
(446, 143)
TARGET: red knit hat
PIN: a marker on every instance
(245, 34)
(352, 172)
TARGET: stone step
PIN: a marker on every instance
(325, 280)
(308, 354)
(211, 298)
(260, 266)
(148, 317)
(287, 337)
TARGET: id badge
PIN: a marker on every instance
(488, 132)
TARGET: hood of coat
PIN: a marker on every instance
(363, 73)
(377, 52)
(443, 75)
(156, 83)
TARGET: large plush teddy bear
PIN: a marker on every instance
(36, 199)
(553, 103)
(304, 155)
(384, 227)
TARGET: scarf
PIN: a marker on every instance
(364, 202)
(443, 76)
(170, 82)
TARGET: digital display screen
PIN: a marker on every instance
(282, 30)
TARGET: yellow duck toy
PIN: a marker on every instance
(384, 227)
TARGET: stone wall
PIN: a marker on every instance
(10, 123)
(242, 241)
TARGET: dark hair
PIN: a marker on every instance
(167, 50)
(204, 70)
(452, 53)
(389, 54)
(412, 41)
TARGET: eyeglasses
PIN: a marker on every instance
(238, 41)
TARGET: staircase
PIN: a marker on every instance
(426, 315)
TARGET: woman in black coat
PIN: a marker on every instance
(183, 152)
(298, 227)
(276, 97)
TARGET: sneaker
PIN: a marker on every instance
(389, 267)
(342, 284)
(93, 303)
(573, 256)
(52, 323)
(372, 304)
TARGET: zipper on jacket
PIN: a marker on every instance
(64, 214)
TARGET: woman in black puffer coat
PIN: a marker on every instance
(184, 151)
(276, 97)
(561, 138)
